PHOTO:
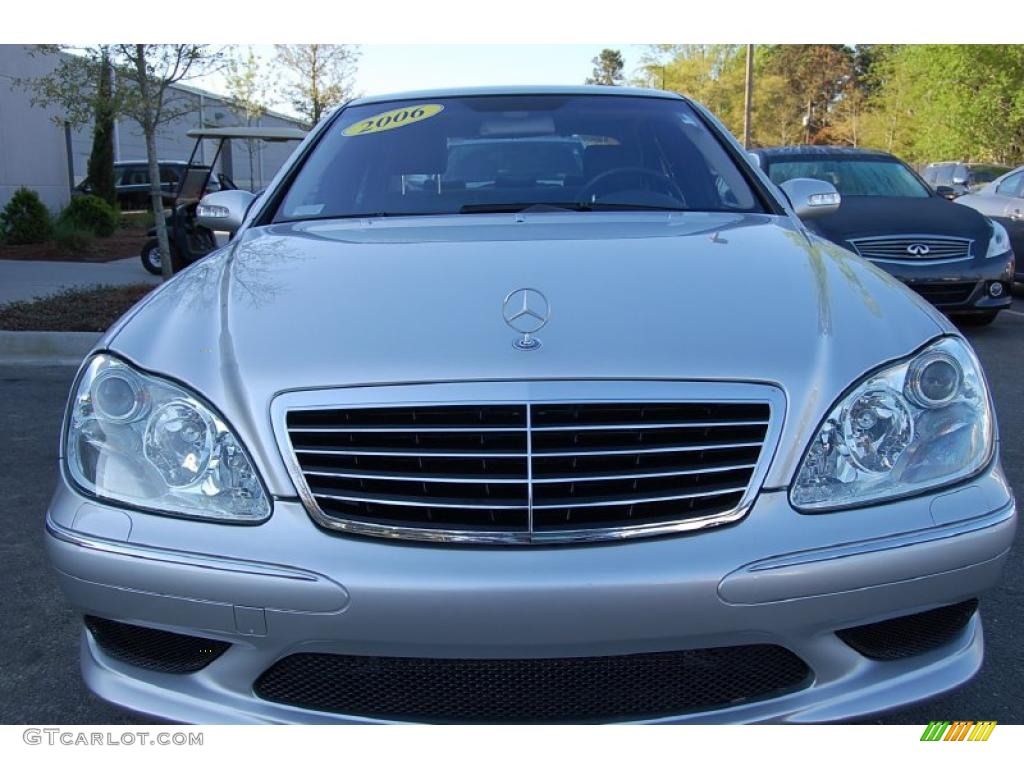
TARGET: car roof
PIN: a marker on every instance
(815, 150)
(516, 90)
(159, 162)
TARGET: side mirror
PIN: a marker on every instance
(947, 192)
(224, 211)
(811, 198)
(754, 158)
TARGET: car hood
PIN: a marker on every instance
(874, 216)
(646, 296)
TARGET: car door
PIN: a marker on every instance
(134, 189)
(1005, 204)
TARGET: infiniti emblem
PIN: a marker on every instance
(526, 311)
(918, 249)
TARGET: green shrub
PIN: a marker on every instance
(25, 219)
(71, 238)
(90, 213)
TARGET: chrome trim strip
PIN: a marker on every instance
(641, 475)
(529, 470)
(426, 452)
(641, 500)
(514, 430)
(173, 556)
(404, 430)
(532, 392)
(690, 448)
(521, 480)
(398, 501)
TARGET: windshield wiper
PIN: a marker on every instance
(569, 206)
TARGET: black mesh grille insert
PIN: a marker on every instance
(154, 649)
(909, 635)
(593, 689)
(525, 471)
(940, 294)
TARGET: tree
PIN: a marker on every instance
(84, 87)
(319, 77)
(818, 75)
(250, 84)
(608, 66)
(149, 71)
(100, 169)
(141, 77)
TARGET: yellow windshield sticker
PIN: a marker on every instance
(396, 118)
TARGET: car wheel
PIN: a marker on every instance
(150, 256)
(978, 318)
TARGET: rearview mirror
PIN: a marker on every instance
(224, 211)
(811, 198)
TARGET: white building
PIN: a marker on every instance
(51, 158)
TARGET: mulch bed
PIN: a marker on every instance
(73, 309)
(122, 244)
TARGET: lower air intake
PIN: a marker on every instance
(559, 690)
(154, 649)
(909, 635)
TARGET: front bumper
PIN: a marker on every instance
(959, 286)
(777, 577)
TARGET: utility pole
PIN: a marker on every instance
(748, 97)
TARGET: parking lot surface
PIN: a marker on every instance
(26, 280)
(39, 677)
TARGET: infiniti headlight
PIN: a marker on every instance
(915, 425)
(143, 441)
(999, 242)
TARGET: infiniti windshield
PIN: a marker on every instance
(853, 177)
(488, 154)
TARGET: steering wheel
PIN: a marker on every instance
(670, 186)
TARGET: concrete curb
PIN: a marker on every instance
(45, 347)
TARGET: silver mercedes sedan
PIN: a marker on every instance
(528, 405)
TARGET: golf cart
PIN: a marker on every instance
(188, 239)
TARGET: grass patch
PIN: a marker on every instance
(73, 309)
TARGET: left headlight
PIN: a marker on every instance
(139, 440)
(916, 425)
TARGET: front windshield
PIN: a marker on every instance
(853, 177)
(487, 154)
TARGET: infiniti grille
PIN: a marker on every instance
(911, 248)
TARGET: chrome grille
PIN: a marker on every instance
(527, 472)
(913, 248)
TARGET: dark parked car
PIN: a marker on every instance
(131, 180)
(956, 258)
(1003, 200)
(961, 178)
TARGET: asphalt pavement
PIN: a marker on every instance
(26, 280)
(39, 676)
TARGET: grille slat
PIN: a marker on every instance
(535, 471)
(896, 248)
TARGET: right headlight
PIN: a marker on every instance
(140, 440)
(918, 424)
(999, 242)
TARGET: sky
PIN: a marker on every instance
(389, 68)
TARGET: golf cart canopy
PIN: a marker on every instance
(247, 132)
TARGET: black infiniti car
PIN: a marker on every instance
(952, 255)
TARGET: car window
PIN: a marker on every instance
(930, 174)
(136, 174)
(944, 175)
(983, 174)
(1011, 185)
(853, 177)
(490, 153)
(169, 174)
